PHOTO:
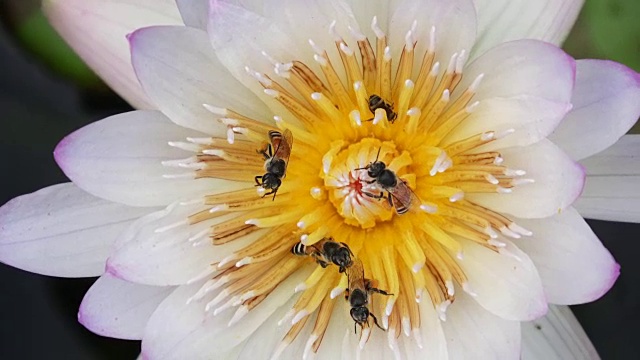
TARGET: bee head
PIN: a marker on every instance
(360, 314)
(270, 181)
(376, 168)
(342, 258)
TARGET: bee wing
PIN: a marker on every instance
(404, 199)
(282, 143)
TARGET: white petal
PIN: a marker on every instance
(178, 330)
(180, 72)
(120, 159)
(505, 20)
(311, 19)
(194, 13)
(606, 104)
(97, 29)
(558, 182)
(239, 37)
(574, 266)
(364, 11)
(611, 191)
(151, 253)
(474, 333)
(119, 309)
(454, 22)
(62, 231)
(557, 336)
(527, 87)
(506, 283)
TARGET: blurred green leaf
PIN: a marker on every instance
(40, 38)
(614, 27)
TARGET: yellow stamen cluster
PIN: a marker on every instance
(324, 192)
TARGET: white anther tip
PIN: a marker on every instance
(299, 316)
(468, 289)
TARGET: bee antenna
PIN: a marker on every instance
(378, 154)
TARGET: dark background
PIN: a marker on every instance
(39, 106)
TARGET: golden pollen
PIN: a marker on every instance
(338, 130)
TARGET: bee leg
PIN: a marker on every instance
(374, 196)
(380, 291)
(375, 321)
(269, 193)
(275, 191)
(258, 183)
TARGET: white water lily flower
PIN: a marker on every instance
(489, 123)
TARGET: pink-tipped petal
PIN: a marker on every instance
(119, 309)
(526, 86)
(611, 191)
(546, 20)
(120, 159)
(62, 231)
(180, 72)
(606, 104)
(574, 266)
(97, 29)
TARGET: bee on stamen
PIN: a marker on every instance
(376, 102)
(326, 251)
(276, 161)
(399, 194)
(358, 295)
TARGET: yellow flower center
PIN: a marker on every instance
(328, 192)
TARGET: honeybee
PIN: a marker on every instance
(358, 295)
(399, 194)
(276, 161)
(326, 251)
(376, 102)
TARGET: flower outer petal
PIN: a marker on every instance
(505, 20)
(573, 264)
(96, 30)
(109, 160)
(180, 72)
(556, 336)
(62, 231)
(606, 104)
(194, 12)
(611, 190)
(119, 309)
